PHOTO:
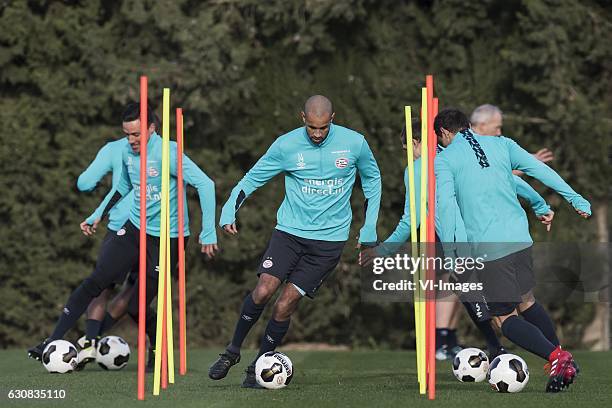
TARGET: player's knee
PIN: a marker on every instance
(118, 307)
(263, 291)
(499, 320)
(528, 300)
(261, 295)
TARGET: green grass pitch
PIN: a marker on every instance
(322, 379)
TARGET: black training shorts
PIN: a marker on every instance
(505, 280)
(306, 263)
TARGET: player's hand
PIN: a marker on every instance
(89, 229)
(544, 155)
(582, 213)
(230, 229)
(367, 255)
(547, 219)
(209, 250)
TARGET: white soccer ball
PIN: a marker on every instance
(508, 373)
(273, 370)
(60, 356)
(113, 353)
(471, 365)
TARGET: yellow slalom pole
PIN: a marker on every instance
(170, 333)
(423, 237)
(413, 230)
(161, 287)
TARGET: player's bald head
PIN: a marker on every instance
(318, 106)
(317, 116)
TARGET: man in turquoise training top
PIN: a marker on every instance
(99, 320)
(320, 161)
(473, 176)
(120, 253)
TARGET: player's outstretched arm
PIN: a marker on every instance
(536, 201)
(538, 204)
(118, 170)
(401, 233)
(97, 169)
(114, 196)
(372, 190)
(544, 155)
(268, 166)
(524, 161)
(205, 187)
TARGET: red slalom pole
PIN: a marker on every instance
(142, 267)
(181, 244)
(431, 239)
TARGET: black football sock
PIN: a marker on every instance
(151, 327)
(249, 314)
(526, 335)
(107, 323)
(452, 338)
(485, 328)
(75, 307)
(273, 336)
(537, 316)
(92, 328)
(441, 337)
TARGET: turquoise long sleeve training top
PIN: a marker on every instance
(319, 180)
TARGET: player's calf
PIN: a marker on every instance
(150, 361)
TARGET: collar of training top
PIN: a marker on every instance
(325, 141)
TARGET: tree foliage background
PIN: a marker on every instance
(242, 70)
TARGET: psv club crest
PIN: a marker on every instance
(153, 172)
(341, 162)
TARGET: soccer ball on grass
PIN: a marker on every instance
(273, 370)
(113, 353)
(508, 373)
(470, 365)
(60, 356)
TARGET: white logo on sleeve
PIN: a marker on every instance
(300, 163)
(267, 263)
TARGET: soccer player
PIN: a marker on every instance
(487, 120)
(320, 161)
(120, 252)
(110, 159)
(446, 341)
(473, 175)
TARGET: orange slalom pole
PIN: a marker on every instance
(430, 232)
(431, 239)
(181, 244)
(142, 267)
(432, 385)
